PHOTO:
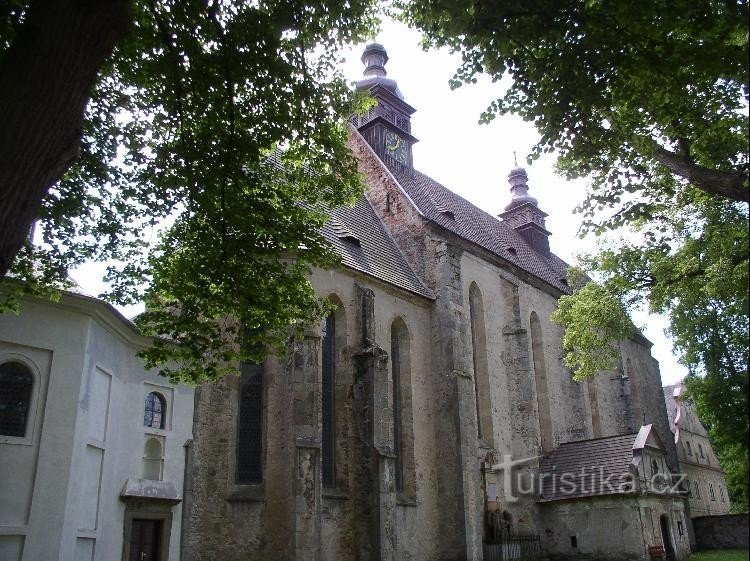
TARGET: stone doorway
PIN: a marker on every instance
(666, 537)
(148, 519)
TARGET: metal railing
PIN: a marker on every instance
(516, 547)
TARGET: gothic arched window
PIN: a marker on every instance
(542, 388)
(481, 369)
(397, 406)
(16, 382)
(155, 411)
(250, 425)
(403, 426)
(328, 448)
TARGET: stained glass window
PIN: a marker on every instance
(15, 396)
(250, 425)
(155, 411)
(397, 436)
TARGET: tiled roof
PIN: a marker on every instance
(359, 236)
(591, 468)
(442, 206)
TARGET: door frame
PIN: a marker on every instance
(665, 525)
(161, 511)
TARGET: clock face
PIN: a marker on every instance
(396, 147)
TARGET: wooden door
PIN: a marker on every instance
(144, 540)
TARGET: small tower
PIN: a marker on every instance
(523, 214)
(387, 126)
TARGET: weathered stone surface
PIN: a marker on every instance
(450, 485)
(616, 529)
(726, 531)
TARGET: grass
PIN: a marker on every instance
(721, 555)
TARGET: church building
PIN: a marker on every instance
(93, 447)
(430, 416)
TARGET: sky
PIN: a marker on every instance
(472, 160)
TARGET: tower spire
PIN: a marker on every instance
(386, 126)
(375, 58)
(519, 188)
(523, 214)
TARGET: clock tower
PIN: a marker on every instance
(386, 126)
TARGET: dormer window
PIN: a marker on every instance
(344, 233)
(512, 250)
(442, 209)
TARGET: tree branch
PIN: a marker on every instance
(729, 185)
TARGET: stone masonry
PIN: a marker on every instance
(467, 299)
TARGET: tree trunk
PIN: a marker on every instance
(47, 75)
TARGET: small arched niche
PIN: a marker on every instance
(153, 459)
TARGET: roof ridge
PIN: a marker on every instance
(610, 437)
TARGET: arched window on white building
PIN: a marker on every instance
(16, 382)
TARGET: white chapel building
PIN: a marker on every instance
(92, 446)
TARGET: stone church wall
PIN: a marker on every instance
(648, 397)
(571, 416)
(479, 390)
(289, 515)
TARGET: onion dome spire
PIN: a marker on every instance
(523, 214)
(375, 58)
